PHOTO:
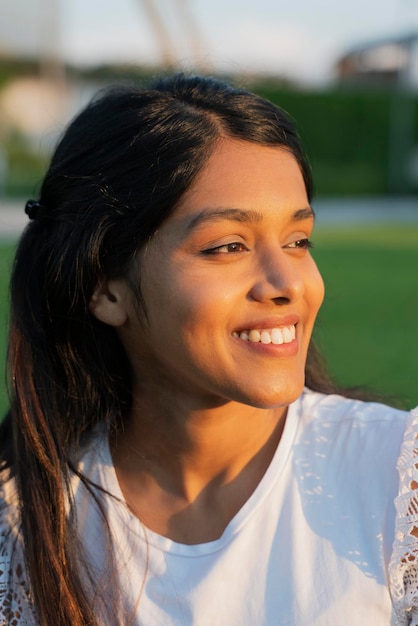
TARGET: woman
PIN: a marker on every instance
(162, 461)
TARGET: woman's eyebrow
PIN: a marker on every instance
(236, 215)
(306, 213)
(242, 215)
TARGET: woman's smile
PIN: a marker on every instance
(276, 332)
(284, 337)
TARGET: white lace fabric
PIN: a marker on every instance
(16, 607)
(403, 568)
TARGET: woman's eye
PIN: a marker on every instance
(303, 244)
(227, 248)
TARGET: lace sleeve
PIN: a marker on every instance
(16, 608)
(403, 568)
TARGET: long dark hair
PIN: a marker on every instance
(120, 169)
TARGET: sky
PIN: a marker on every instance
(296, 39)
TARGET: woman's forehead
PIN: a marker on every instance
(243, 176)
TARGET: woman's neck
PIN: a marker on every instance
(187, 475)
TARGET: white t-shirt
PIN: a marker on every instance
(312, 545)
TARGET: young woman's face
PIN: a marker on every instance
(230, 288)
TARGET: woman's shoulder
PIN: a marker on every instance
(357, 439)
(337, 408)
(368, 429)
(376, 446)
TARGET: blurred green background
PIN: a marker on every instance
(368, 326)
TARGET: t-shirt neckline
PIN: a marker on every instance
(264, 487)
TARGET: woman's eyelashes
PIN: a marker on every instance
(227, 248)
(303, 243)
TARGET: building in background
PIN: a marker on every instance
(389, 62)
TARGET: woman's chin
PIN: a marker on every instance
(274, 397)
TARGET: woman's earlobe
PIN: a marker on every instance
(108, 302)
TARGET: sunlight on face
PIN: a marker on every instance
(230, 288)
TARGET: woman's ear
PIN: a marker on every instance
(109, 301)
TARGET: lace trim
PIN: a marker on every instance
(403, 567)
(16, 608)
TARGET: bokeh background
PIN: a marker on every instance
(346, 72)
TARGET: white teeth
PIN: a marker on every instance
(287, 335)
(277, 336)
(265, 336)
(254, 336)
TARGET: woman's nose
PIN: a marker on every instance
(278, 278)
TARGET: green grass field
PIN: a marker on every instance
(368, 327)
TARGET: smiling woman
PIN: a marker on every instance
(171, 427)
